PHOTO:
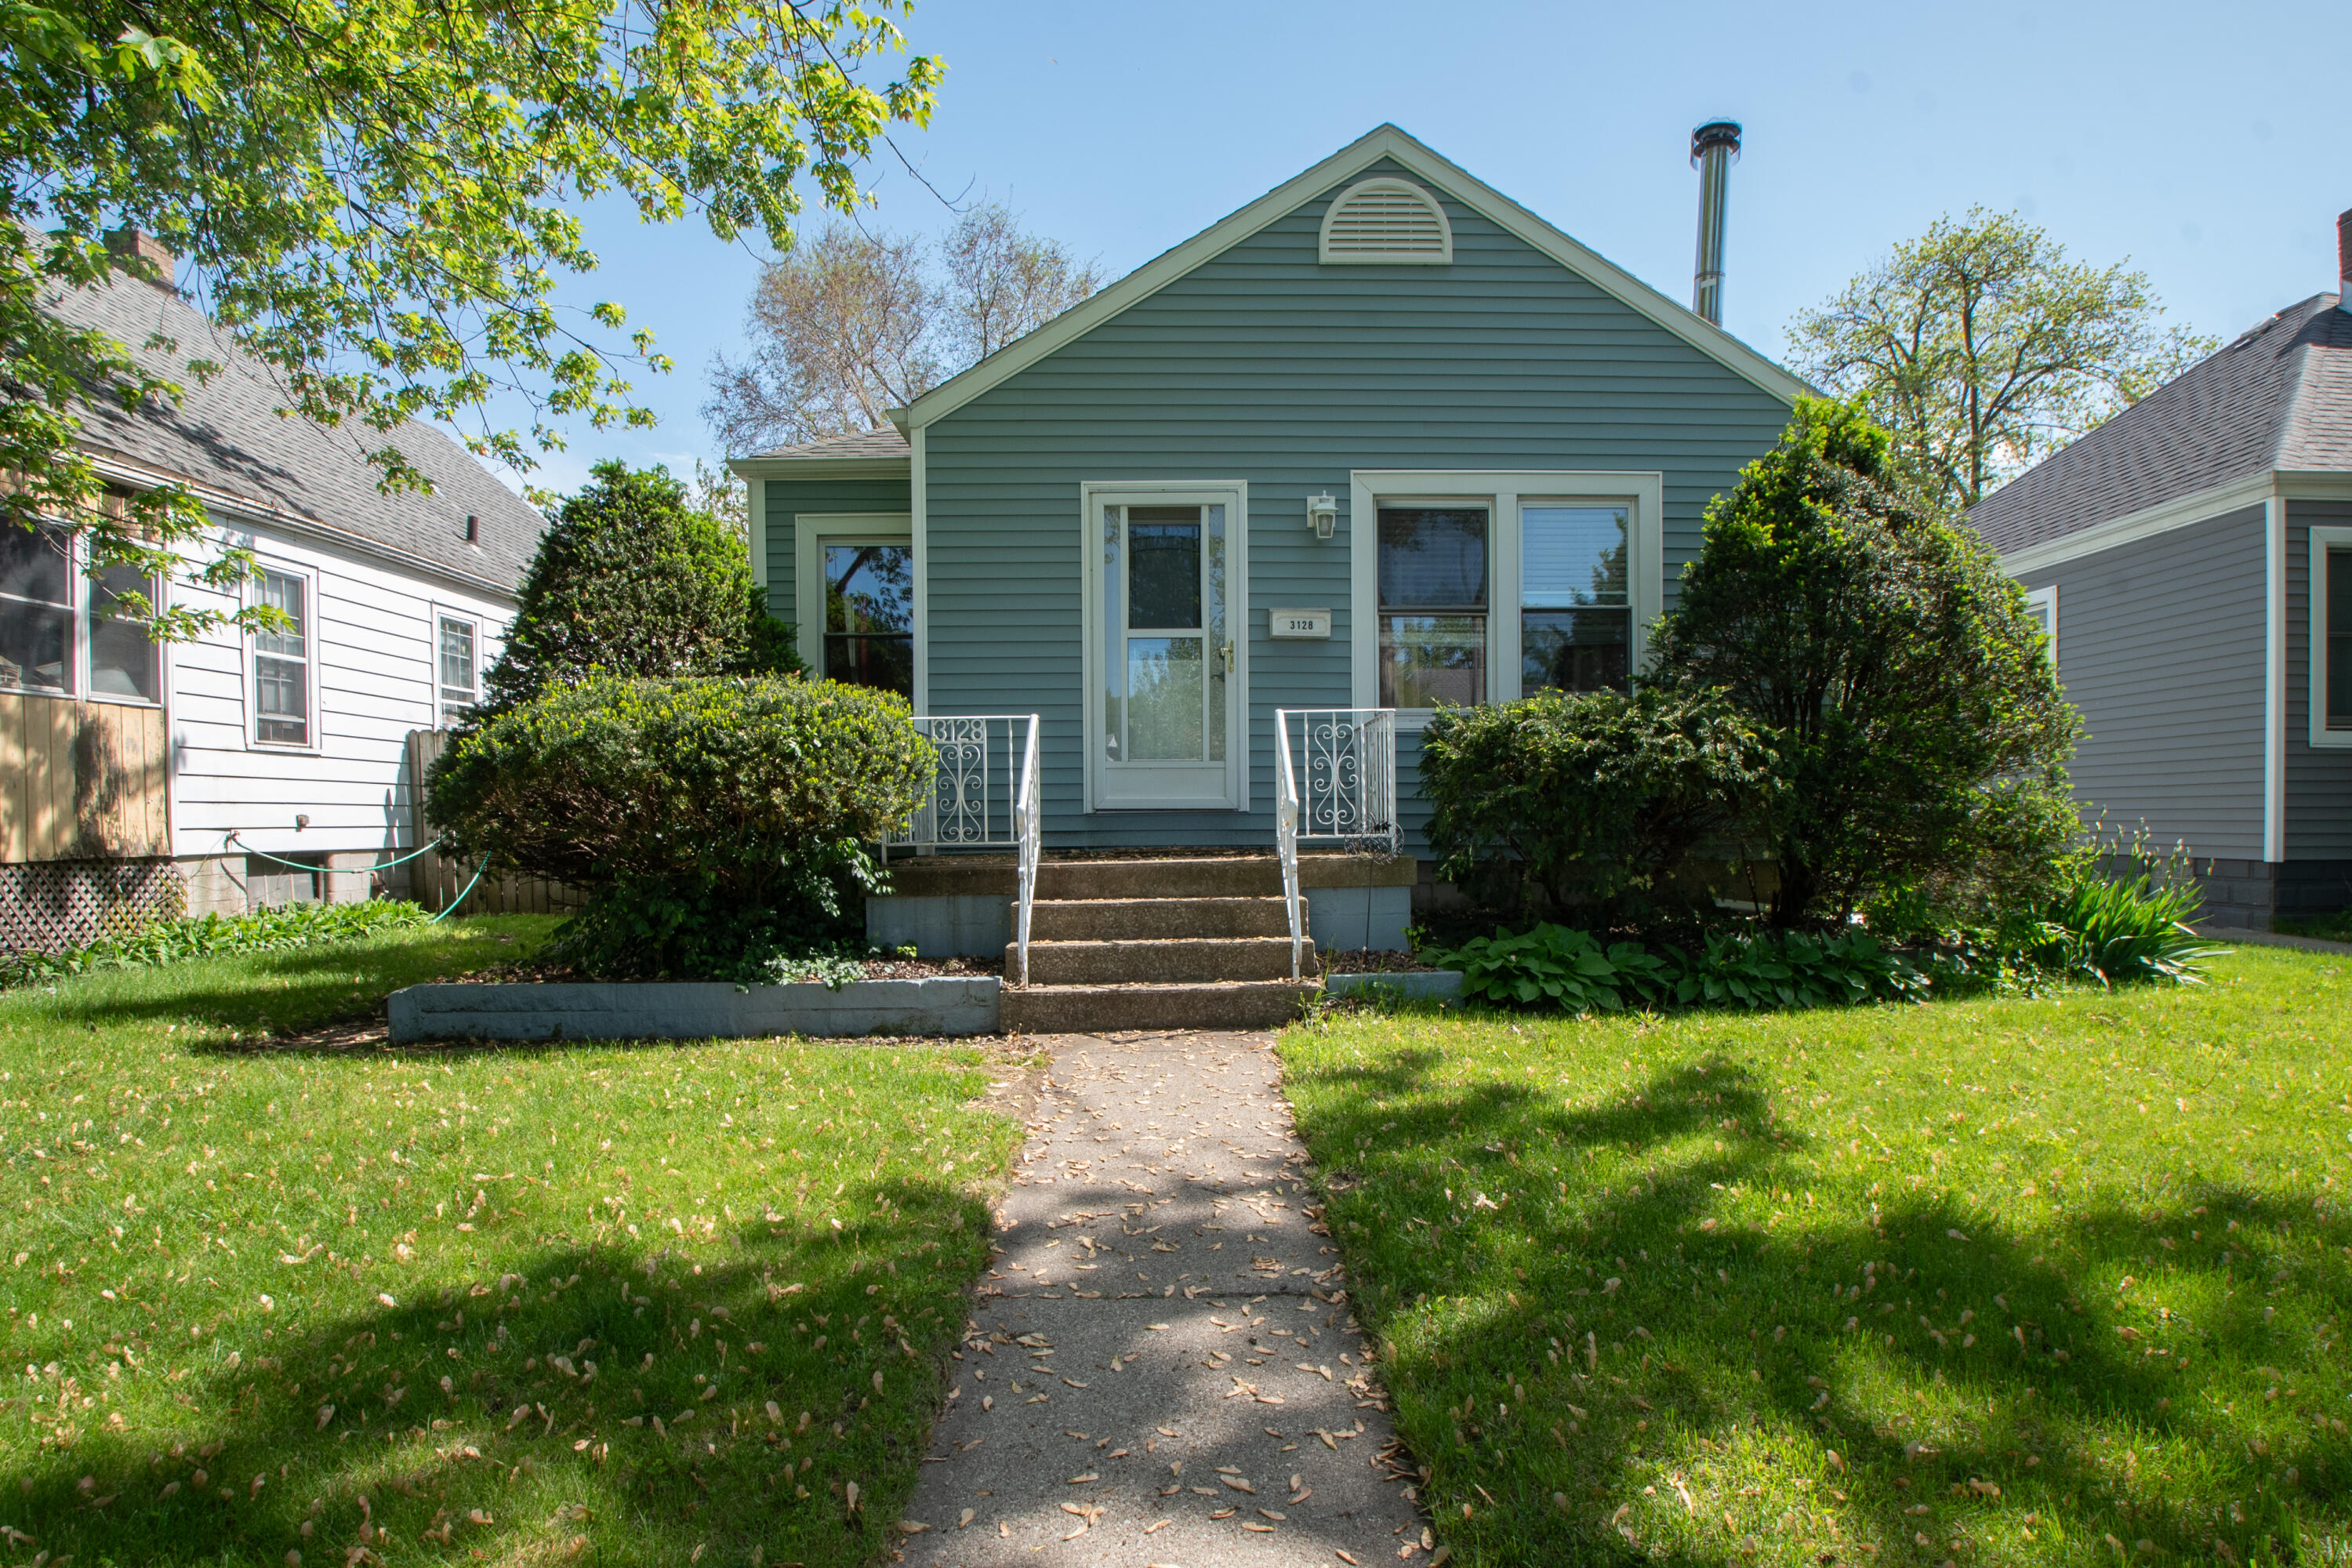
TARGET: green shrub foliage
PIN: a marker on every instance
(1553, 967)
(1917, 732)
(715, 824)
(1599, 799)
(630, 580)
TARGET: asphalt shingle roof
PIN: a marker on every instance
(885, 442)
(2278, 397)
(227, 436)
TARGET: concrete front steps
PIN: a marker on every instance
(1175, 944)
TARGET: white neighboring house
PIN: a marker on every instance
(125, 767)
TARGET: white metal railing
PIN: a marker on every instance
(985, 794)
(1347, 758)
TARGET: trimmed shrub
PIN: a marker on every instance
(1917, 732)
(715, 824)
(1597, 799)
(630, 580)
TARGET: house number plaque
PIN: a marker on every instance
(1298, 623)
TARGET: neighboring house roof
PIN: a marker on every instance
(2278, 398)
(1384, 141)
(226, 439)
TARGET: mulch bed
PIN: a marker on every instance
(1363, 961)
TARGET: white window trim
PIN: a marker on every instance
(311, 657)
(473, 618)
(1502, 491)
(1093, 494)
(2324, 538)
(1443, 256)
(2047, 601)
(812, 531)
(79, 591)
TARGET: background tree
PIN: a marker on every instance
(1983, 349)
(1915, 726)
(857, 323)
(376, 198)
(631, 581)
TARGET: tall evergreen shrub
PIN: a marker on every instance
(1917, 729)
(630, 580)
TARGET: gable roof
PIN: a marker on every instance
(227, 440)
(1385, 142)
(2280, 398)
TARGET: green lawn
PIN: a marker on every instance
(2043, 1282)
(593, 1304)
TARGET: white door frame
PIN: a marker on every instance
(1233, 494)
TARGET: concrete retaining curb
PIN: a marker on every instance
(953, 1004)
(1416, 985)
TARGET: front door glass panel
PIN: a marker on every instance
(1166, 651)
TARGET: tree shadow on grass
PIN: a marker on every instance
(621, 1403)
(1718, 1344)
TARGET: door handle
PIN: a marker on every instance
(1229, 658)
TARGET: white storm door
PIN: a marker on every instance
(1165, 715)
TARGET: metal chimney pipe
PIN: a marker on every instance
(1714, 147)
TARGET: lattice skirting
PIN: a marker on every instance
(45, 905)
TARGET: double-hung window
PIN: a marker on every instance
(457, 665)
(854, 598)
(1576, 616)
(281, 662)
(58, 635)
(869, 614)
(1432, 573)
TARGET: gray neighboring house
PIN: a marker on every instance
(2192, 561)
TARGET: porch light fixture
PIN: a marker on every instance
(1322, 515)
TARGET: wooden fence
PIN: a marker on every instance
(434, 881)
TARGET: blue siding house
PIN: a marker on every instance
(1382, 438)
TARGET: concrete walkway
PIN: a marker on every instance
(1162, 1368)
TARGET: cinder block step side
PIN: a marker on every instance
(1119, 919)
(1160, 961)
(1094, 1009)
(1255, 876)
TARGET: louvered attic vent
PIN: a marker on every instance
(1389, 222)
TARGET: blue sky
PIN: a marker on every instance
(2204, 142)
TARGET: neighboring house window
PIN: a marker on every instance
(2331, 637)
(1576, 617)
(1432, 588)
(281, 662)
(460, 680)
(2339, 639)
(869, 615)
(2041, 605)
(56, 632)
(36, 618)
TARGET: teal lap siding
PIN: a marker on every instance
(1263, 366)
